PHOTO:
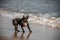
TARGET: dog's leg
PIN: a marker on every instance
(16, 28)
(15, 23)
(29, 27)
(22, 29)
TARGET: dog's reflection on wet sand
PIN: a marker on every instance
(22, 36)
(15, 34)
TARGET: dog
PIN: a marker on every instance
(23, 22)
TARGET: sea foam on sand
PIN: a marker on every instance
(51, 21)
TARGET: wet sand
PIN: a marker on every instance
(39, 32)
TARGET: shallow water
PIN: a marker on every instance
(39, 32)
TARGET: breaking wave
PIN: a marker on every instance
(50, 21)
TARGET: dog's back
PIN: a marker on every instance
(16, 21)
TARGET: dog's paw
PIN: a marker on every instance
(17, 30)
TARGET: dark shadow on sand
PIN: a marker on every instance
(22, 36)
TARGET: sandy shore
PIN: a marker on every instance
(39, 32)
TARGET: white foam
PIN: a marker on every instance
(52, 21)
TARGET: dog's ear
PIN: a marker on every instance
(23, 16)
(27, 16)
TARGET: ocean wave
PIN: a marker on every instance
(50, 21)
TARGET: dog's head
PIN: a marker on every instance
(25, 18)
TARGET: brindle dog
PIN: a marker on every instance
(22, 22)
